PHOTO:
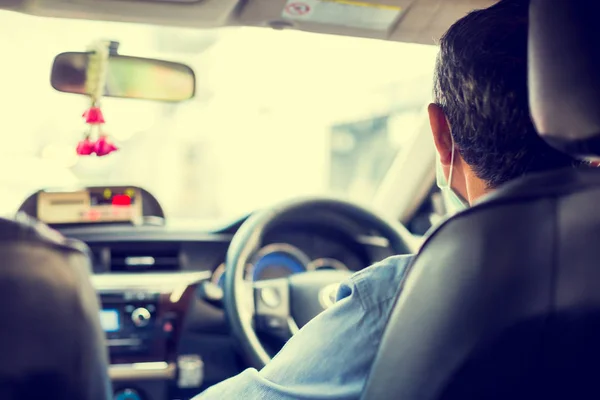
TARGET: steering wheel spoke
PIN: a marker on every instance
(272, 308)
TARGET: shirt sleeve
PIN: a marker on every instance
(330, 357)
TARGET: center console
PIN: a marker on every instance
(142, 322)
(136, 330)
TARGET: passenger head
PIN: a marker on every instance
(480, 95)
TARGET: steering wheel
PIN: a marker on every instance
(279, 306)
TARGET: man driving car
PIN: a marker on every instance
(484, 137)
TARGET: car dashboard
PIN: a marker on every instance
(160, 286)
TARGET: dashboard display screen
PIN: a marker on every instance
(98, 204)
(109, 320)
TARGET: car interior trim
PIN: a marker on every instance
(142, 371)
(162, 281)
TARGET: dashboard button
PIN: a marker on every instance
(140, 317)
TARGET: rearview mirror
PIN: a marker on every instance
(126, 77)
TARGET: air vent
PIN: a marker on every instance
(145, 257)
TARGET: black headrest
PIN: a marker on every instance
(564, 74)
(51, 343)
(502, 301)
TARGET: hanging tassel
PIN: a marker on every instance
(86, 147)
(93, 116)
(104, 146)
(95, 82)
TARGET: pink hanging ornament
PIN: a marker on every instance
(104, 147)
(93, 116)
(85, 147)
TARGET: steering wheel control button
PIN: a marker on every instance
(275, 323)
(141, 317)
(270, 297)
(127, 394)
(328, 295)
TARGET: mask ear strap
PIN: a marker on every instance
(451, 163)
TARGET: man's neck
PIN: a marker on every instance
(476, 188)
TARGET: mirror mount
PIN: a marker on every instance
(113, 48)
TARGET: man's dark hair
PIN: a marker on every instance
(481, 84)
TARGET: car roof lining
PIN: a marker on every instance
(421, 21)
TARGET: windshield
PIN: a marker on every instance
(277, 114)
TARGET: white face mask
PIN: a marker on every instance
(453, 200)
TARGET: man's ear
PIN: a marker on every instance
(441, 133)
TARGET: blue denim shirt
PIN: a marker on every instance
(330, 357)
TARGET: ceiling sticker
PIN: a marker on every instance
(297, 9)
(349, 13)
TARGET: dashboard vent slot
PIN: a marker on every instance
(145, 257)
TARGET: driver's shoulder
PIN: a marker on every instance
(378, 283)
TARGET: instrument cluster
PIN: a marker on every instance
(280, 260)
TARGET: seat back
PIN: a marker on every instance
(51, 343)
(503, 301)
